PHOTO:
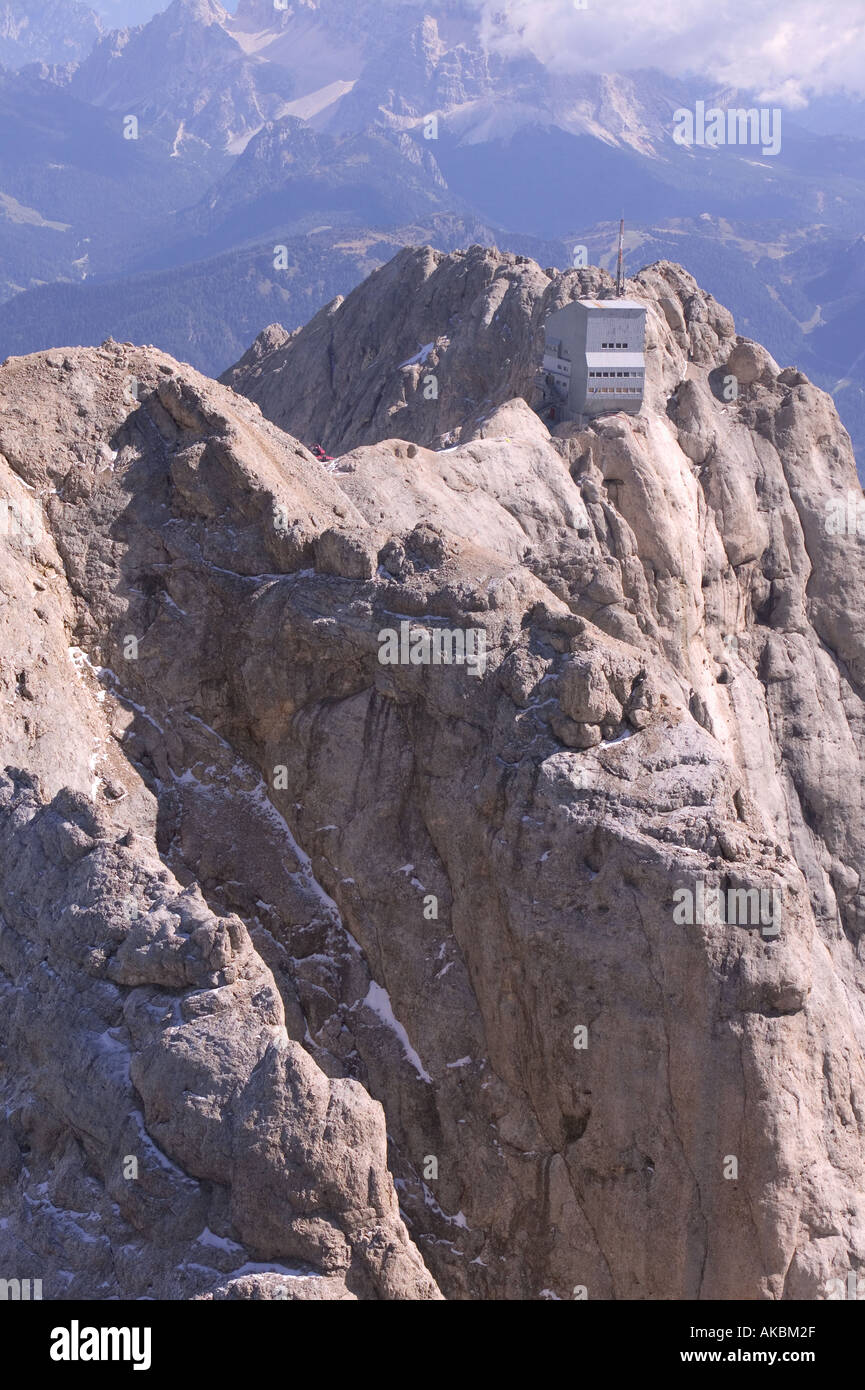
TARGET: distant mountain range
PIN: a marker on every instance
(46, 31)
(186, 78)
(63, 31)
(149, 175)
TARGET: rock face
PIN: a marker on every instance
(46, 31)
(274, 889)
(186, 79)
(164, 1132)
(392, 63)
(430, 345)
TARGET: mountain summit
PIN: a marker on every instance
(185, 78)
(46, 31)
(396, 977)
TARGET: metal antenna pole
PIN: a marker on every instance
(620, 278)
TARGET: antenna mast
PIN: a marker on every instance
(620, 278)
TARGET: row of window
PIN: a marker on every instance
(636, 373)
(614, 345)
(615, 391)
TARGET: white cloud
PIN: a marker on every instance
(783, 49)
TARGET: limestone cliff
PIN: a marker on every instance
(307, 936)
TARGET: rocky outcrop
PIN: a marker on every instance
(164, 1132)
(430, 345)
(283, 883)
(155, 1100)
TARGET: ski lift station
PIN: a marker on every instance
(593, 359)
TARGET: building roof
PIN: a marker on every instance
(610, 304)
(615, 359)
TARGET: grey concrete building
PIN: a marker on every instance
(593, 359)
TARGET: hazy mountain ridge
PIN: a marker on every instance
(210, 312)
(67, 172)
(318, 116)
(290, 177)
(185, 77)
(46, 31)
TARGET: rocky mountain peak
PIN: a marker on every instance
(474, 320)
(198, 11)
(186, 78)
(302, 919)
(46, 31)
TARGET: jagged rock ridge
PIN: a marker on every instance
(46, 31)
(672, 694)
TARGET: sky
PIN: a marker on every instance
(118, 13)
(122, 12)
